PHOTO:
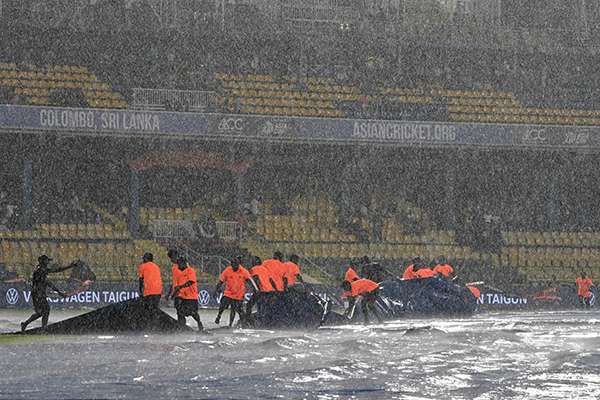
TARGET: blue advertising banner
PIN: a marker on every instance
(18, 295)
(237, 126)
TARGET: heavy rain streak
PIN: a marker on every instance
(324, 199)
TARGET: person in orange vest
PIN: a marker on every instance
(150, 283)
(410, 276)
(264, 281)
(350, 276)
(474, 291)
(423, 271)
(583, 290)
(277, 270)
(234, 277)
(292, 272)
(409, 272)
(185, 293)
(173, 255)
(444, 269)
(368, 290)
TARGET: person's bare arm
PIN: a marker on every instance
(178, 288)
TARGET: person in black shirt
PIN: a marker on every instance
(39, 285)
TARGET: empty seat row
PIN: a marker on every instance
(478, 101)
(411, 99)
(552, 238)
(294, 95)
(148, 214)
(35, 83)
(250, 78)
(68, 231)
(518, 110)
(48, 76)
(290, 111)
(522, 119)
(284, 102)
(107, 103)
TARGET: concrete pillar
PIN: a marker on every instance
(133, 217)
(27, 203)
(239, 191)
(450, 198)
(552, 199)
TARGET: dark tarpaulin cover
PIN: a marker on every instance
(127, 316)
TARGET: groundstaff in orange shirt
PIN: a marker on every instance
(264, 281)
(350, 276)
(368, 290)
(583, 289)
(423, 271)
(278, 271)
(151, 286)
(444, 269)
(234, 278)
(185, 292)
(293, 270)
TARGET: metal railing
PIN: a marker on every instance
(172, 99)
(209, 264)
(169, 229)
(228, 231)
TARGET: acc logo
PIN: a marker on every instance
(12, 296)
(535, 135)
(203, 297)
(231, 124)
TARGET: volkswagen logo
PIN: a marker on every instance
(12, 296)
(203, 297)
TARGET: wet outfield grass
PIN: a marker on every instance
(528, 355)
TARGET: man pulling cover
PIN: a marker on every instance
(39, 285)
